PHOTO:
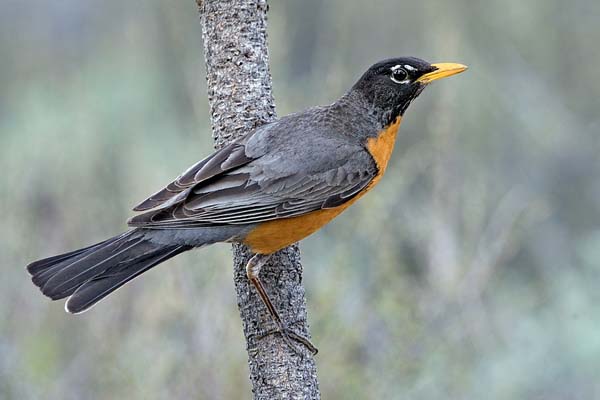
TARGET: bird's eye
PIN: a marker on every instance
(399, 75)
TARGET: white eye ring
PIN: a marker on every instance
(399, 74)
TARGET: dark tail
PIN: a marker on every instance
(88, 275)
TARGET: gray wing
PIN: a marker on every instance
(251, 183)
(228, 158)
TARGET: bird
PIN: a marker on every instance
(272, 187)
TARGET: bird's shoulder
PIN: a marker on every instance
(309, 142)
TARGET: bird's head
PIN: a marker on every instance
(390, 85)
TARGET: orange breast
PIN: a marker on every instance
(271, 236)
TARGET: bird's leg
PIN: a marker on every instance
(252, 271)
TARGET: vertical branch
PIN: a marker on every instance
(240, 96)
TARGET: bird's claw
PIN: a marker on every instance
(289, 336)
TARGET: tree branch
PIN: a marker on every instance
(240, 96)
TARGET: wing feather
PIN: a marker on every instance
(231, 187)
(228, 158)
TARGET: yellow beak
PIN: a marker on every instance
(443, 70)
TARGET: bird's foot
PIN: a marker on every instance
(289, 337)
(252, 271)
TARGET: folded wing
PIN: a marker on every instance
(229, 157)
(231, 188)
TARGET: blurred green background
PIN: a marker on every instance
(472, 272)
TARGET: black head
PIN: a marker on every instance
(390, 85)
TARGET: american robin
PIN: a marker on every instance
(269, 189)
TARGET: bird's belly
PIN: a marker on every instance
(268, 237)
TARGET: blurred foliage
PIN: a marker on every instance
(471, 272)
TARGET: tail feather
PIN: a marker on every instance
(96, 289)
(43, 270)
(70, 275)
(90, 274)
(41, 265)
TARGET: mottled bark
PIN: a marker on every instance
(240, 97)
